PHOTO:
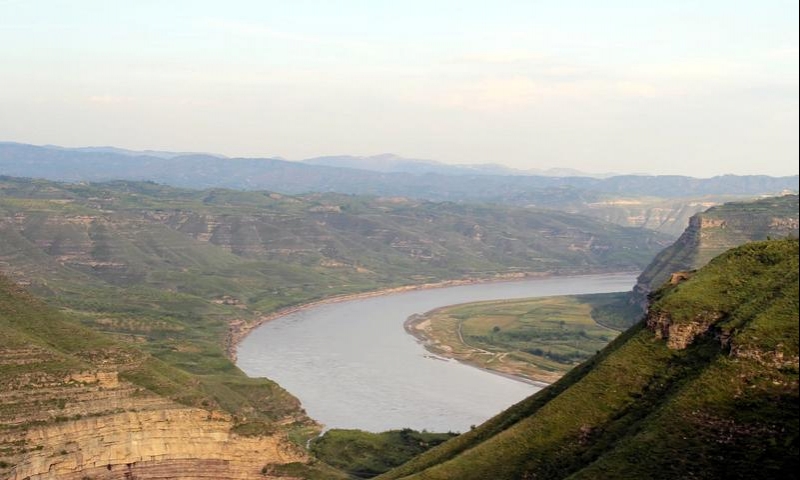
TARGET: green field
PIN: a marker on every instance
(539, 339)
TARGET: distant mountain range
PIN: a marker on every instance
(131, 153)
(390, 163)
(359, 175)
(662, 203)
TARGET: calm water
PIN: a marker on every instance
(352, 364)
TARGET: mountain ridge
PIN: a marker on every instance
(23, 160)
(661, 203)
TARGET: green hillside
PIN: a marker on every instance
(171, 269)
(709, 233)
(720, 228)
(54, 373)
(707, 387)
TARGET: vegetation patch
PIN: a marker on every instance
(539, 339)
(365, 455)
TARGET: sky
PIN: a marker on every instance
(697, 88)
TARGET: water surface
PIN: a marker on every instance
(352, 364)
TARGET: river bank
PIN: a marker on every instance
(239, 329)
(352, 364)
(537, 340)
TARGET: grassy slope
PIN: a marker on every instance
(25, 320)
(642, 410)
(709, 234)
(366, 454)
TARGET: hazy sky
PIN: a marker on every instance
(681, 87)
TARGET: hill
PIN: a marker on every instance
(709, 233)
(663, 203)
(718, 229)
(77, 404)
(180, 274)
(706, 387)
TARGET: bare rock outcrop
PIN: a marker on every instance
(94, 424)
(167, 443)
(680, 335)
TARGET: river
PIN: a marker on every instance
(352, 365)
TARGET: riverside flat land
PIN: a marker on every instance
(538, 339)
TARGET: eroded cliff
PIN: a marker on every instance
(72, 407)
(716, 230)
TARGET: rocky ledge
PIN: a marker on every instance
(174, 443)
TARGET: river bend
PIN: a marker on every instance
(352, 364)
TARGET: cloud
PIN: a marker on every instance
(638, 89)
(512, 92)
(696, 70)
(252, 30)
(499, 57)
(783, 54)
(109, 99)
(520, 92)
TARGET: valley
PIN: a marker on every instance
(146, 289)
(164, 280)
(399, 240)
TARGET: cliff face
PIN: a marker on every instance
(679, 335)
(73, 406)
(715, 231)
(165, 443)
(706, 388)
(665, 216)
(91, 424)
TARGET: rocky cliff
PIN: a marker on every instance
(665, 216)
(150, 443)
(717, 229)
(71, 407)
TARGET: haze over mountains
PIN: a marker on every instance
(380, 175)
(390, 163)
(661, 203)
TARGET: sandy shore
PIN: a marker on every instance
(417, 326)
